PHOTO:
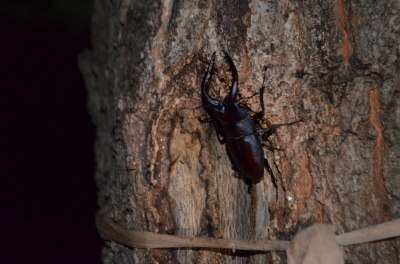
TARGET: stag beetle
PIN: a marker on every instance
(238, 128)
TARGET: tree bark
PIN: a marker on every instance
(333, 63)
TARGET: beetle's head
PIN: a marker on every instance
(229, 109)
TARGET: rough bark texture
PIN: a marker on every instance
(334, 63)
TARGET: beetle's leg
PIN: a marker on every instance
(205, 120)
(278, 125)
(273, 179)
(268, 168)
(217, 126)
(259, 115)
(269, 147)
(191, 108)
(235, 168)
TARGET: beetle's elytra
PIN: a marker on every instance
(234, 123)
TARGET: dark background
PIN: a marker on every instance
(47, 190)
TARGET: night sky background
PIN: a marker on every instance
(47, 189)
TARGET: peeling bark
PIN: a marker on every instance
(334, 63)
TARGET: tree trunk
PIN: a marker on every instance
(333, 63)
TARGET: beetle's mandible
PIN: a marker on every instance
(238, 128)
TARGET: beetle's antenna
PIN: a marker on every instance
(251, 96)
(278, 125)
